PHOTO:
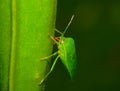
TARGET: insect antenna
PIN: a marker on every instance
(68, 25)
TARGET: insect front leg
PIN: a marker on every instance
(51, 69)
(49, 56)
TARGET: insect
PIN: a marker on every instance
(66, 52)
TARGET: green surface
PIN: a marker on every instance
(24, 40)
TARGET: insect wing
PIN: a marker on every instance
(68, 55)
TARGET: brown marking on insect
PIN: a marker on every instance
(56, 39)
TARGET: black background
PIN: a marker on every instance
(96, 31)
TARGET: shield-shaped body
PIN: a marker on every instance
(66, 50)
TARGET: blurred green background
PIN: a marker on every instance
(96, 31)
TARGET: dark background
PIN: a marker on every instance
(96, 31)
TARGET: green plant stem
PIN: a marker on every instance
(32, 21)
(24, 39)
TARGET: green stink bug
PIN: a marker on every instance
(66, 52)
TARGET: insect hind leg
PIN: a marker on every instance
(51, 69)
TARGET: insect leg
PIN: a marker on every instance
(58, 31)
(51, 69)
(49, 56)
(54, 39)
